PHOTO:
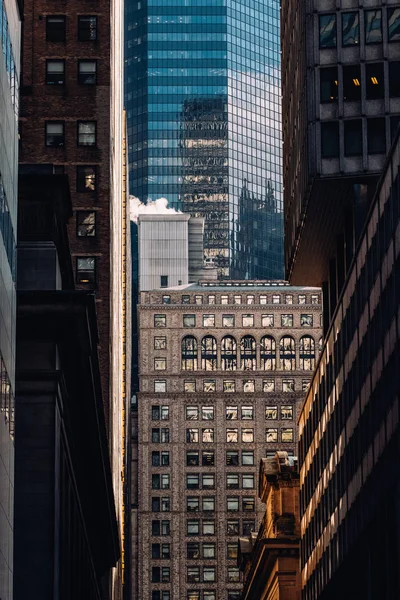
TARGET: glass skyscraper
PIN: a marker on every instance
(202, 93)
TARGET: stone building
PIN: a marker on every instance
(270, 560)
(223, 371)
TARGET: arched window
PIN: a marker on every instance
(268, 353)
(228, 353)
(189, 353)
(248, 353)
(287, 353)
(209, 353)
(320, 344)
(307, 353)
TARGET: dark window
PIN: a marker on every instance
(55, 29)
(192, 458)
(163, 280)
(55, 72)
(375, 87)
(85, 223)
(87, 72)
(86, 269)
(350, 29)
(394, 124)
(376, 136)
(55, 135)
(352, 83)
(87, 29)
(86, 179)
(328, 84)
(327, 31)
(394, 24)
(394, 79)
(330, 139)
(155, 551)
(155, 459)
(86, 133)
(207, 458)
(353, 138)
(232, 457)
(373, 26)
(193, 550)
(155, 528)
(248, 527)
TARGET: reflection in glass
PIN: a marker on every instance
(327, 31)
(350, 29)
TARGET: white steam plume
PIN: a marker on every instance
(153, 207)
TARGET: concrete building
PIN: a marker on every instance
(222, 370)
(10, 41)
(270, 559)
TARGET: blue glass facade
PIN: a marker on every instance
(204, 122)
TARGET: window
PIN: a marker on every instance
(160, 321)
(160, 386)
(160, 481)
(86, 179)
(327, 31)
(353, 137)
(55, 134)
(394, 124)
(85, 223)
(192, 481)
(228, 385)
(376, 131)
(233, 574)
(87, 72)
(248, 353)
(208, 320)
(160, 595)
(330, 139)
(248, 386)
(287, 434)
(208, 550)
(189, 320)
(268, 385)
(232, 435)
(211, 299)
(155, 574)
(306, 320)
(86, 270)
(192, 458)
(224, 299)
(305, 384)
(193, 550)
(248, 527)
(164, 282)
(271, 435)
(302, 299)
(268, 353)
(393, 24)
(237, 299)
(189, 353)
(185, 299)
(165, 459)
(289, 299)
(209, 595)
(192, 436)
(193, 595)
(228, 355)
(286, 320)
(228, 321)
(207, 435)
(394, 79)
(271, 412)
(160, 364)
(286, 413)
(375, 81)
(87, 29)
(232, 481)
(351, 84)
(247, 457)
(192, 503)
(263, 299)
(189, 387)
(87, 133)
(207, 413)
(250, 299)
(276, 299)
(198, 299)
(287, 353)
(209, 574)
(155, 459)
(208, 527)
(247, 435)
(209, 385)
(164, 435)
(160, 343)
(248, 481)
(193, 527)
(350, 29)
(314, 299)
(160, 505)
(248, 503)
(159, 413)
(209, 353)
(307, 353)
(232, 551)
(207, 458)
(55, 29)
(267, 320)
(208, 503)
(373, 26)
(208, 481)
(247, 320)
(232, 527)
(288, 385)
(232, 503)
(232, 457)
(247, 412)
(193, 574)
(155, 528)
(55, 72)
(165, 528)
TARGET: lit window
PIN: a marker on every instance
(86, 270)
(55, 72)
(247, 436)
(373, 26)
(160, 321)
(207, 435)
(85, 223)
(55, 136)
(232, 503)
(86, 179)
(327, 31)
(224, 299)
(160, 387)
(351, 83)
(228, 321)
(209, 385)
(189, 387)
(375, 81)
(87, 72)
(268, 385)
(160, 364)
(248, 385)
(228, 386)
(232, 435)
(55, 29)
(271, 435)
(247, 412)
(247, 320)
(350, 29)
(306, 321)
(276, 299)
(192, 413)
(248, 503)
(248, 457)
(87, 29)
(211, 299)
(286, 413)
(160, 343)
(86, 133)
(267, 320)
(248, 482)
(288, 385)
(231, 412)
(232, 481)
(208, 320)
(189, 320)
(207, 413)
(394, 24)
(328, 80)
(286, 320)
(271, 412)
(287, 353)
(287, 434)
(192, 436)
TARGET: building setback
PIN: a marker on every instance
(222, 375)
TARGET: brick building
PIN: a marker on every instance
(223, 370)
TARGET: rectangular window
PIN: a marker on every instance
(232, 503)
(87, 133)
(314, 299)
(351, 84)
(208, 458)
(208, 527)
(165, 459)
(155, 528)
(232, 457)
(165, 528)
(207, 413)
(267, 320)
(288, 385)
(271, 413)
(353, 137)
(165, 551)
(155, 436)
(248, 503)
(276, 299)
(55, 72)
(160, 320)
(289, 299)
(193, 527)
(86, 179)
(237, 299)
(375, 81)
(268, 385)
(330, 139)
(228, 321)
(160, 343)
(87, 72)
(286, 412)
(271, 435)
(232, 481)
(208, 550)
(232, 551)
(208, 574)
(208, 320)
(198, 299)
(247, 320)
(350, 29)
(233, 574)
(55, 134)
(87, 28)
(192, 481)
(248, 482)
(160, 387)
(327, 31)
(376, 131)
(232, 435)
(86, 270)
(208, 503)
(328, 81)
(209, 385)
(228, 386)
(193, 550)
(247, 436)
(247, 412)
(55, 29)
(287, 434)
(248, 527)
(209, 595)
(207, 435)
(250, 299)
(224, 299)
(164, 283)
(185, 299)
(192, 503)
(192, 458)
(305, 384)
(189, 387)
(247, 458)
(164, 435)
(160, 364)
(263, 299)
(85, 223)
(208, 481)
(189, 320)
(248, 386)
(306, 320)
(373, 26)
(211, 299)
(192, 413)
(393, 24)
(286, 320)
(192, 436)
(232, 527)
(394, 79)
(302, 299)
(165, 481)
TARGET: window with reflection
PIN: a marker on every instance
(192, 436)
(287, 434)
(271, 413)
(207, 435)
(229, 386)
(248, 385)
(228, 353)
(208, 320)
(268, 385)
(192, 413)
(189, 353)
(393, 24)
(271, 434)
(286, 320)
(232, 436)
(189, 387)
(350, 29)
(288, 385)
(267, 320)
(307, 353)
(231, 413)
(287, 353)
(327, 31)
(247, 435)
(287, 412)
(373, 26)
(209, 385)
(209, 353)
(268, 353)
(248, 353)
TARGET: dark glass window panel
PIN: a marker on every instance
(55, 29)
(248, 527)
(155, 551)
(87, 72)
(192, 458)
(193, 550)
(352, 147)
(55, 134)
(376, 136)
(87, 28)
(328, 84)
(394, 79)
(327, 31)
(232, 457)
(393, 24)
(164, 282)
(86, 223)
(86, 270)
(155, 528)
(375, 81)
(55, 72)
(394, 124)
(352, 83)
(208, 459)
(155, 459)
(373, 26)
(330, 139)
(86, 179)
(350, 29)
